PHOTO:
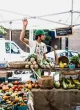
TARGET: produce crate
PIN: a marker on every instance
(2, 79)
(20, 108)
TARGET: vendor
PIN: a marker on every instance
(36, 46)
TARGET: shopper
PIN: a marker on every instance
(36, 46)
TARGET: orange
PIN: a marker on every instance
(29, 86)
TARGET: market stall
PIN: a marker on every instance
(48, 94)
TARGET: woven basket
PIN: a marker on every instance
(17, 64)
(64, 59)
(70, 72)
(3, 74)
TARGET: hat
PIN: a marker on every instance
(39, 32)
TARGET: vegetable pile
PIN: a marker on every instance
(33, 62)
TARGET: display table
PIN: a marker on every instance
(53, 99)
(56, 99)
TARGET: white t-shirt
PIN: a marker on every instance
(38, 48)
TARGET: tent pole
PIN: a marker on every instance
(66, 39)
(10, 35)
(72, 13)
(31, 36)
(54, 14)
(52, 21)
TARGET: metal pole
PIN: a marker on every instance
(66, 46)
(10, 34)
(66, 39)
(72, 13)
(60, 43)
(31, 37)
(31, 34)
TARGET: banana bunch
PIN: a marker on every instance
(62, 65)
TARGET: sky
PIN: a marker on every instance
(35, 11)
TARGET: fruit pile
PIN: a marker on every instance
(16, 93)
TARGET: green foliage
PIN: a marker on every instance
(48, 37)
(2, 30)
(79, 55)
(31, 56)
(27, 34)
(47, 40)
(75, 60)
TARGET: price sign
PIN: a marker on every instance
(64, 31)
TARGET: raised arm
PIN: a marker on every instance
(22, 34)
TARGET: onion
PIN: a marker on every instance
(26, 66)
(34, 62)
(32, 59)
(31, 66)
(36, 66)
(52, 65)
(44, 66)
(29, 63)
(26, 62)
(48, 66)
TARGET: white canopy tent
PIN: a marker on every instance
(41, 14)
(45, 14)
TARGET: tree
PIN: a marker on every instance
(2, 30)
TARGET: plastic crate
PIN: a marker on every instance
(2, 79)
(20, 108)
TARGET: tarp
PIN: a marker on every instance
(46, 14)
